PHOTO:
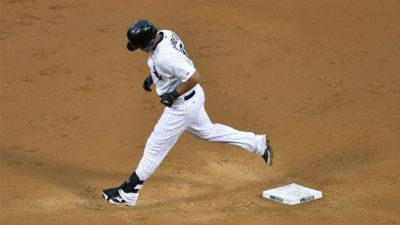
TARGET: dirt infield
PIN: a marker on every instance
(321, 78)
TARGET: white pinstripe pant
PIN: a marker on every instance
(190, 115)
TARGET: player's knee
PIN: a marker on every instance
(154, 148)
(206, 133)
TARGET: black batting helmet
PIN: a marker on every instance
(140, 34)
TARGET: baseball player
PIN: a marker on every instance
(177, 84)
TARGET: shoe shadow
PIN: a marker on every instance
(79, 181)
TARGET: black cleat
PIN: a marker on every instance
(113, 196)
(126, 194)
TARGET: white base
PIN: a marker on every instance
(292, 194)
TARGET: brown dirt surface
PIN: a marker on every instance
(322, 78)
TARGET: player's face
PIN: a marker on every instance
(149, 46)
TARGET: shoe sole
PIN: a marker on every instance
(270, 154)
(104, 196)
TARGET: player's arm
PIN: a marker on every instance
(185, 71)
(189, 84)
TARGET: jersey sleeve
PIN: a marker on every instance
(178, 66)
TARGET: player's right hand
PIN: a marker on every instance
(147, 83)
(168, 98)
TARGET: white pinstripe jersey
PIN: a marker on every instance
(169, 63)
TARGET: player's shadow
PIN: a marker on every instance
(75, 179)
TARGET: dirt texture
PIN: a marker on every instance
(321, 78)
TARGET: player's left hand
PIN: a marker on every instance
(169, 98)
(147, 83)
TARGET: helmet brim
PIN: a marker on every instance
(131, 47)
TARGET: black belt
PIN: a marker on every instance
(189, 96)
